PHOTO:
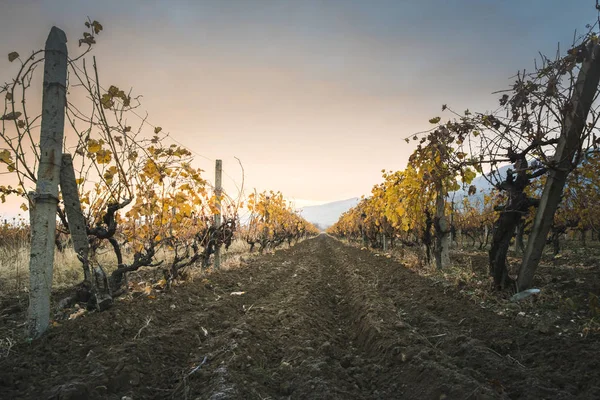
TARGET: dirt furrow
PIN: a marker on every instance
(288, 343)
(321, 320)
(510, 360)
(328, 333)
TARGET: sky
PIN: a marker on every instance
(314, 97)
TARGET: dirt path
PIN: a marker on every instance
(319, 321)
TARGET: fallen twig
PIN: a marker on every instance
(434, 336)
(137, 335)
(515, 361)
(198, 366)
(9, 345)
(473, 392)
(494, 351)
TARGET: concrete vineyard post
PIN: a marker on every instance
(218, 192)
(44, 200)
(77, 225)
(451, 235)
(569, 143)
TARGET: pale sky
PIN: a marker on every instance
(314, 96)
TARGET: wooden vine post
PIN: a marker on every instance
(44, 200)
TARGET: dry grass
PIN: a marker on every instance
(239, 253)
(14, 269)
(236, 255)
(14, 265)
(238, 246)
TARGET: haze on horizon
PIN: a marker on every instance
(314, 97)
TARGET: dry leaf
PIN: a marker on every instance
(77, 313)
(11, 116)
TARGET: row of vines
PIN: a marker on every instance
(141, 196)
(538, 147)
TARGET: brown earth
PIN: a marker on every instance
(318, 321)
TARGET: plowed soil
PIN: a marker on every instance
(318, 321)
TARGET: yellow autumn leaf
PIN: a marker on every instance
(107, 101)
(24, 207)
(108, 177)
(469, 175)
(93, 146)
(103, 156)
(97, 27)
(113, 90)
(161, 283)
(5, 156)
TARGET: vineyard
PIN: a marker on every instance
(472, 273)
(124, 191)
(538, 152)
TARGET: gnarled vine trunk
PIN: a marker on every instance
(510, 217)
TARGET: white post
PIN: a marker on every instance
(77, 225)
(218, 193)
(569, 143)
(45, 198)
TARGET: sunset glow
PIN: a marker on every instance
(314, 97)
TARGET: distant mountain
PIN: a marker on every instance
(327, 214)
(482, 185)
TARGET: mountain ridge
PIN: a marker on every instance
(325, 215)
